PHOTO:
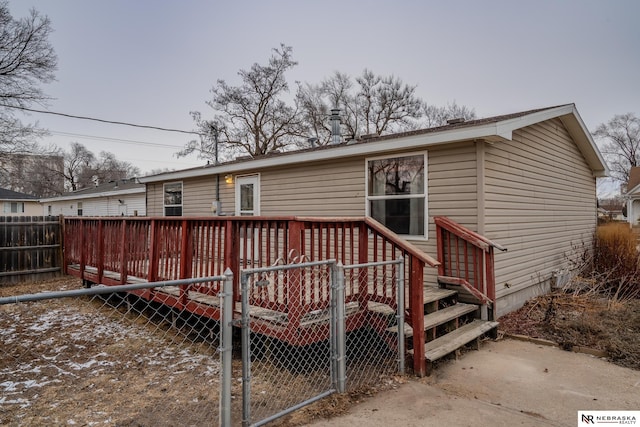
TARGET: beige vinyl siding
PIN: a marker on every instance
(154, 199)
(334, 188)
(197, 196)
(452, 184)
(540, 204)
(452, 192)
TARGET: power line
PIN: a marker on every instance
(112, 122)
(118, 140)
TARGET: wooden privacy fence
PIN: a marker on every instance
(30, 248)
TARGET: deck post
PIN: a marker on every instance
(232, 253)
(294, 278)
(152, 274)
(440, 248)
(83, 252)
(123, 252)
(363, 258)
(186, 257)
(490, 281)
(100, 254)
(416, 305)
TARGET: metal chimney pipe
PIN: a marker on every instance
(336, 137)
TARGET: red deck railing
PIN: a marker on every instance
(466, 255)
(120, 250)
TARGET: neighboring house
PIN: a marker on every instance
(632, 196)
(116, 198)
(19, 204)
(526, 181)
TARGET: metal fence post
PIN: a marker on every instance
(400, 315)
(226, 349)
(246, 352)
(341, 359)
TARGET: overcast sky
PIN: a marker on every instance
(152, 62)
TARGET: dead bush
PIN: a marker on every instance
(612, 268)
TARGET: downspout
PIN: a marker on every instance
(480, 189)
(480, 185)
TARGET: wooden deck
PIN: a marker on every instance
(115, 251)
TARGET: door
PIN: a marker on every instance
(248, 195)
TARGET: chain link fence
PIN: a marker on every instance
(161, 354)
(375, 353)
(125, 355)
(324, 338)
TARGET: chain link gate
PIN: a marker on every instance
(296, 349)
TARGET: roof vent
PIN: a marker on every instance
(455, 121)
(336, 138)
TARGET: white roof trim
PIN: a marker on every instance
(501, 130)
(20, 200)
(631, 193)
(95, 195)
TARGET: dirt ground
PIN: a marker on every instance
(581, 321)
(80, 361)
(79, 364)
(75, 362)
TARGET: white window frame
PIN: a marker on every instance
(255, 180)
(8, 207)
(165, 206)
(368, 198)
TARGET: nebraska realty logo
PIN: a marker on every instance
(620, 418)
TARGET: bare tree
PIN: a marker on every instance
(38, 173)
(386, 104)
(252, 117)
(27, 60)
(108, 168)
(76, 160)
(437, 116)
(620, 143)
(83, 169)
(373, 104)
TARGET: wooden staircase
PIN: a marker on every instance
(449, 323)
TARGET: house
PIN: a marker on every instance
(125, 197)
(525, 180)
(19, 204)
(632, 196)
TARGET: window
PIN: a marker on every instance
(396, 193)
(173, 199)
(248, 195)
(79, 208)
(13, 207)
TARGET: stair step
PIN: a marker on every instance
(438, 318)
(452, 341)
(432, 293)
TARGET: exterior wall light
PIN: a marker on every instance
(228, 179)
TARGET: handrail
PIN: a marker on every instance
(472, 237)
(410, 248)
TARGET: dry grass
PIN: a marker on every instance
(581, 321)
(615, 270)
(600, 309)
